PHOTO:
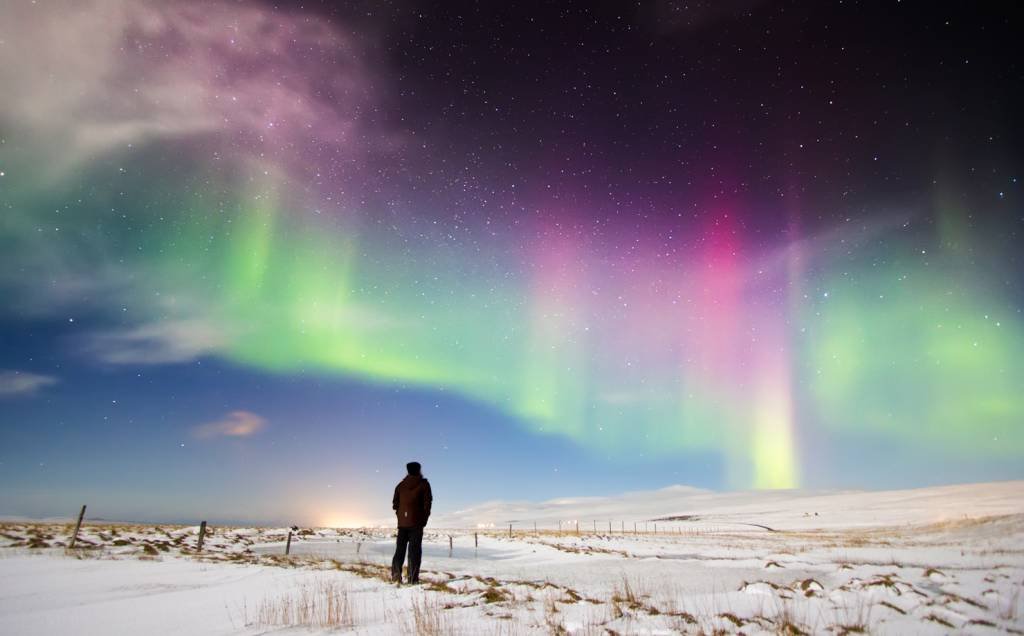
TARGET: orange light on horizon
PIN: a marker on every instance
(341, 520)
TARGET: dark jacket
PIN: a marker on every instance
(412, 501)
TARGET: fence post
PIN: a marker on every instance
(449, 544)
(288, 546)
(634, 528)
(476, 540)
(78, 526)
(534, 527)
(202, 535)
(609, 526)
(559, 526)
(577, 527)
(623, 528)
(655, 528)
(510, 531)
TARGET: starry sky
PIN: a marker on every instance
(256, 256)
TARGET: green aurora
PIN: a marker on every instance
(889, 349)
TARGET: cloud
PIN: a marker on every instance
(18, 383)
(158, 342)
(234, 424)
(84, 77)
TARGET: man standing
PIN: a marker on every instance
(412, 505)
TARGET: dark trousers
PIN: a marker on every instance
(413, 537)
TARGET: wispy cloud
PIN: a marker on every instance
(15, 383)
(231, 68)
(157, 342)
(234, 424)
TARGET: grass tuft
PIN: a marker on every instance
(322, 604)
(935, 618)
(428, 618)
(495, 595)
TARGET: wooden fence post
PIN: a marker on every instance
(476, 540)
(577, 526)
(78, 526)
(634, 527)
(449, 544)
(202, 535)
(559, 526)
(288, 546)
(609, 526)
(510, 531)
(623, 528)
(655, 528)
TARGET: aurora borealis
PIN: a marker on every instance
(266, 251)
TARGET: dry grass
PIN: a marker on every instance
(552, 617)
(440, 586)
(428, 618)
(368, 569)
(87, 554)
(321, 604)
(856, 619)
(495, 595)
(1011, 610)
(787, 625)
(935, 618)
(894, 608)
(961, 524)
(627, 594)
(668, 604)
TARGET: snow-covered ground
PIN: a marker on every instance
(934, 560)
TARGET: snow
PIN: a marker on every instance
(779, 509)
(931, 560)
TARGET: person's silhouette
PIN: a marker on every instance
(412, 503)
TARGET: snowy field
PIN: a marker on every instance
(937, 560)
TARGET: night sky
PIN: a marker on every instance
(256, 256)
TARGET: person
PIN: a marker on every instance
(411, 503)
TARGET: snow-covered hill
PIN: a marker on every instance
(779, 509)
